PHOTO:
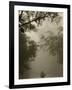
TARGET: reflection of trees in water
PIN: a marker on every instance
(29, 20)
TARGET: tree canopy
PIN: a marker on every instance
(29, 21)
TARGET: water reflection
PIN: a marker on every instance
(37, 62)
(45, 65)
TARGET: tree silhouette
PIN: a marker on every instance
(27, 52)
(28, 21)
(54, 44)
(27, 18)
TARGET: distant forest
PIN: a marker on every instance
(29, 21)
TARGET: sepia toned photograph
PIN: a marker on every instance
(40, 44)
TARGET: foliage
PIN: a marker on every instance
(27, 52)
(29, 20)
(54, 44)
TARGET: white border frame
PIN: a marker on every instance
(18, 81)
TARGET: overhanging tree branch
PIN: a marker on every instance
(35, 19)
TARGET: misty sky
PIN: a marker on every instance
(43, 61)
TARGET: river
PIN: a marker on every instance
(45, 63)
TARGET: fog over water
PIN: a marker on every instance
(44, 62)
